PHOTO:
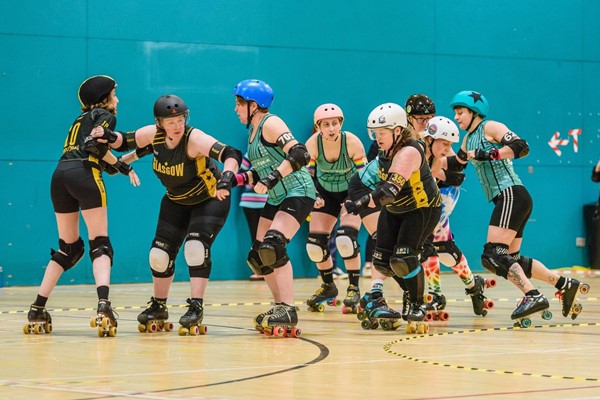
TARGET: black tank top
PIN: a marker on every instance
(81, 128)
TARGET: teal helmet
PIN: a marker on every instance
(472, 100)
(255, 90)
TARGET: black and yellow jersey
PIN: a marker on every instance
(187, 180)
(73, 148)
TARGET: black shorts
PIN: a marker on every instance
(76, 186)
(512, 208)
(333, 201)
(297, 207)
(176, 221)
(409, 229)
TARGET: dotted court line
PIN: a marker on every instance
(388, 349)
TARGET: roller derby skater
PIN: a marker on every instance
(335, 156)
(39, 319)
(490, 146)
(105, 320)
(194, 208)
(568, 293)
(405, 220)
(278, 160)
(327, 293)
(191, 321)
(77, 188)
(154, 318)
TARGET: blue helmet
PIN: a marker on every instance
(472, 100)
(255, 90)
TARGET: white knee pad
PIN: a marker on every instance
(316, 253)
(159, 260)
(194, 252)
(346, 246)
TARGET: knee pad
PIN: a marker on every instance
(197, 256)
(428, 250)
(346, 242)
(69, 254)
(317, 247)
(272, 251)
(381, 261)
(254, 261)
(449, 253)
(526, 263)
(162, 259)
(495, 258)
(101, 246)
(403, 261)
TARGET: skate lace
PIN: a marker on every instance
(351, 293)
(280, 311)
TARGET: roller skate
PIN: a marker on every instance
(351, 302)
(191, 321)
(530, 305)
(154, 318)
(105, 320)
(415, 318)
(481, 304)
(281, 322)
(377, 313)
(259, 318)
(325, 294)
(39, 319)
(435, 305)
(568, 297)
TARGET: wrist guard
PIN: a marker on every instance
(272, 179)
(227, 181)
(482, 155)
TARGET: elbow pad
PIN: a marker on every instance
(455, 165)
(519, 147)
(128, 142)
(298, 156)
(385, 194)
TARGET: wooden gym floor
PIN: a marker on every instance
(467, 357)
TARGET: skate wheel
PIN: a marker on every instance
(558, 295)
(168, 326)
(546, 315)
(104, 324)
(37, 329)
(93, 322)
(489, 304)
(26, 329)
(374, 324)
(295, 332)
(584, 288)
(112, 332)
(490, 283)
(152, 327)
(428, 298)
(141, 328)
(444, 316)
(48, 327)
(202, 329)
(365, 324)
(183, 331)
(428, 316)
(525, 322)
(336, 303)
(194, 330)
(361, 315)
(386, 325)
(320, 308)
(483, 313)
(278, 331)
(411, 328)
(346, 310)
(100, 332)
(577, 308)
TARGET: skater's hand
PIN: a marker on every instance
(320, 202)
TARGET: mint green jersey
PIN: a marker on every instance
(266, 157)
(494, 175)
(334, 176)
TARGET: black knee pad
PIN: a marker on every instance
(73, 252)
(428, 250)
(404, 260)
(449, 253)
(317, 246)
(101, 246)
(526, 263)
(495, 258)
(381, 261)
(254, 261)
(272, 251)
(346, 241)
(162, 258)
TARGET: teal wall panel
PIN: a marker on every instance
(537, 62)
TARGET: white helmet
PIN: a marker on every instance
(442, 128)
(387, 115)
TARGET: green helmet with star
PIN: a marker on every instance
(472, 100)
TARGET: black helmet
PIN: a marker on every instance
(95, 89)
(169, 106)
(419, 104)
